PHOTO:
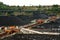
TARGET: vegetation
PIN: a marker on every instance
(6, 10)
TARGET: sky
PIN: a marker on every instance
(30, 2)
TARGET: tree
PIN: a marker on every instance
(55, 8)
(39, 7)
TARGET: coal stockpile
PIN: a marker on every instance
(51, 25)
(32, 37)
(27, 19)
(47, 25)
(10, 20)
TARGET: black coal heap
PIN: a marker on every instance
(10, 20)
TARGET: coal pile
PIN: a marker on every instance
(27, 19)
(47, 25)
(32, 37)
(10, 20)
